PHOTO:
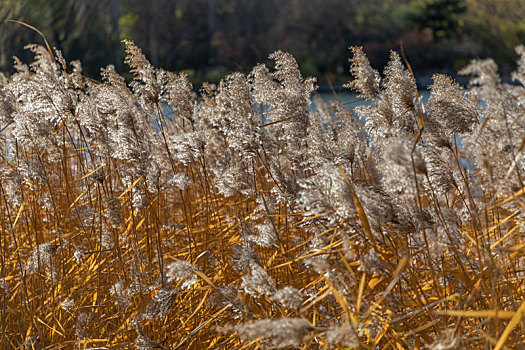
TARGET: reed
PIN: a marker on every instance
(140, 216)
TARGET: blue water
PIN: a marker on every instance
(350, 100)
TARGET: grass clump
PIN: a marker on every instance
(141, 216)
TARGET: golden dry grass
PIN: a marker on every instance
(193, 227)
(69, 296)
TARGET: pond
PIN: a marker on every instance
(351, 100)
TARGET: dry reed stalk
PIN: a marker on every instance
(219, 224)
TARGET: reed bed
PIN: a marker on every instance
(142, 216)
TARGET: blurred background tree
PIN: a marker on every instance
(208, 38)
(81, 29)
(496, 26)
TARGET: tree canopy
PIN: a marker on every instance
(208, 38)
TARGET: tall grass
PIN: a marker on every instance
(138, 216)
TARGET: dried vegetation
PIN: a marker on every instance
(138, 215)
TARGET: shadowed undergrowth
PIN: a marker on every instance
(136, 215)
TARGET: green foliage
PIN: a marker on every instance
(205, 34)
(127, 22)
(81, 29)
(444, 17)
(381, 20)
(497, 26)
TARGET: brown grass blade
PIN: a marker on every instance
(38, 31)
(514, 321)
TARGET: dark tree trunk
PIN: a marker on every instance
(152, 32)
(117, 52)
